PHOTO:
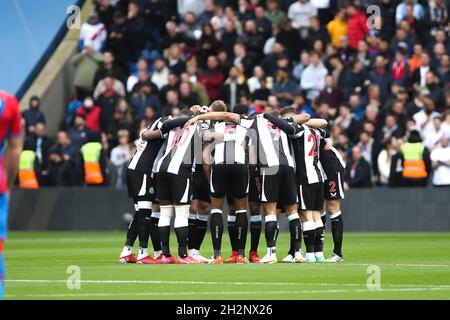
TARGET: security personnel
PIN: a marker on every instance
(94, 160)
(27, 174)
(416, 161)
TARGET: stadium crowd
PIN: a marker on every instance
(381, 82)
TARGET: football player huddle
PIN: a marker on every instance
(185, 169)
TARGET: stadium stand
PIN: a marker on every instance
(383, 87)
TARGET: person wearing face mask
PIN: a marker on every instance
(92, 114)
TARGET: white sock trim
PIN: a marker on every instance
(335, 215)
(181, 216)
(309, 225)
(270, 217)
(144, 204)
(257, 218)
(241, 211)
(318, 224)
(213, 211)
(156, 214)
(192, 216)
(293, 217)
(322, 213)
(167, 212)
(202, 216)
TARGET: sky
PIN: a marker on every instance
(27, 27)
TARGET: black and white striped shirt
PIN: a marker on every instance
(305, 143)
(273, 144)
(179, 154)
(233, 148)
(142, 161)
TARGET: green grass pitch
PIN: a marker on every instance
(412, 266)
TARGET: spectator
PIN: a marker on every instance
(331, 94)
(187, 98)
(313, 77)
(145, 97)
(92, 114)
(105, 11)
(300, 13)
(33, 115)
(284, 89)
(396, 172)
(380, 77)
(337, 28)
(86, 64)
(133, 79)
(358, 172)
(93, 31)
(120, 156)
(108, 67)
(40, 144)
(197, 88)
(424, 118)
(71, 158)
(418, 76)
(212, 78)
(440, 158)
(160, 76)
(233, 89)
(276, 16)
(356, 26)
(416, 161)
(207, 44)
(60, 171)
(120, 39)
(384, 163)
(400, 12)
(79, 133)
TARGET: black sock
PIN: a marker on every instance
(164, 234)
(231, 226)
(144, 227)
(241, 231)
(192, 240)
(202, 226)
(295, 229)
(309, 236)
(132, 231)
(255, 233)
(216, 225)
(182, 238)
(320, 237)
(154, 234)
(337, 230)
(324, 221)
(271, 230)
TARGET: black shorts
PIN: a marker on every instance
(141, 185)
(254, 188)
(174, 188)
(279, 185)
(200, 186)
(229, 179)
(333, 187)
(311, 196)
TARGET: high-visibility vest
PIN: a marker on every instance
(92, 170)
(413, 163)
(27, 175)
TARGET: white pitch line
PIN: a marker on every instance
(220, 283)
(266, 293)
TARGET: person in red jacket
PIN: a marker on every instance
(91, 113)
(356, 26)
(212, 78)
